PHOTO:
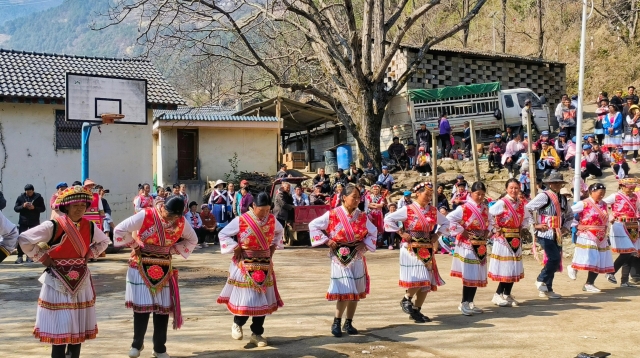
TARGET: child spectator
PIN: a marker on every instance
(619, 163)
(193, 218)
(447, 243)
(525, 181)
(391, 238)
(460, 197)
(442, 199)
(208, 223)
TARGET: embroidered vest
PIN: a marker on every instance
(414, 226)
(625, 207)
(145, 201)
(590, 215)
(469, 220)
(357, 220)
(550, 210)
(148, 232)
(64, 248)
(249, 240)
(507, 218)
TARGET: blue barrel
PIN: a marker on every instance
(345, 157)
(330, 158)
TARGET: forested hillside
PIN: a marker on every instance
(13, 9)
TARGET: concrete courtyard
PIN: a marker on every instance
(579, 322)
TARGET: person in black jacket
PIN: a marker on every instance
(3, 202)
(323, 179)
(283, 204)
(29, 205)
(423, 136)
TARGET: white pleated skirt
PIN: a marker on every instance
(468, 267)
(631, 142)
(612, 140)
(620, 241)
(62, 318)
(348, 283)
(504, 264)
(242, 300)
(589, 256)
(413, 272)
(141, 300)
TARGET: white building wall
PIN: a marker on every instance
(120, 158)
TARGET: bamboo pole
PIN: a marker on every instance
(474, 149)
(279, 116)
(434, 169)
(532, 162)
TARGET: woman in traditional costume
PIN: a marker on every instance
(592, 252)
(251, 289)
(509, 220)
(349, 234)
(66, 314)
(144, 200)
(623, 235)
(469, 222)
(374, 202)
(418, 269)
(152, 282)
(219, 204)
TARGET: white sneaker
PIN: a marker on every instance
(258, 340)
(511, 300)
(160, 355)
(475, 309)
(135, 353)
(236, 332)
(591, 177)
(611, 278)
(464, 308)
(498, 300)
(553, 295)
(204, 244)
(591, 288)
(542, 287)
(573, 273)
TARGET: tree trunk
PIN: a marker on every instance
(465, 30)
(503, 38)
(540, 31)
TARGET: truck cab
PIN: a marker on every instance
(512, 103)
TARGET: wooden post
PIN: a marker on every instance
(309, 148)
(434, 168)
(279, 137)
(474, 149)
(532, 161)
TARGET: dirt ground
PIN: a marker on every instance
(538, 328)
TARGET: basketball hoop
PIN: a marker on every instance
(110, 118)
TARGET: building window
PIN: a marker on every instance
(68, 133)
(187, 154)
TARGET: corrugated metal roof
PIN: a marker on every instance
(209, 113)
(465, 51)
(43, 75)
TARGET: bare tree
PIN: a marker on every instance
(337, 50)
(503, 37)
(540, 29)
(622, 16)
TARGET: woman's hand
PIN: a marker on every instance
(46, 260)
(237, 253)
(405, 236)
(541, 227)
(332, 244)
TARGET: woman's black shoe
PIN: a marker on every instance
(419, 317)
(407, 306)
(335, 327)
(347, 327)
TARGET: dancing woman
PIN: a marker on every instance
(470, 224)
(152, 282)
(66, 315)
(509, 220)
(251, 289)
(592, 252)
(624, 230)
(418, 269)
(348, 234)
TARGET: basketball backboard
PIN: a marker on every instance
(88, 97)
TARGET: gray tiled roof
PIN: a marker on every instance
(207, 113)
(41, 75)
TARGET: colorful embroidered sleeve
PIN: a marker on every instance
(454, 218)
(316, 230)
(444, 224)
(185, 246)
(99, 242)
(391, 220)
(372, 236)
(277, 236)
(29, 240)
(227, 243)
(8, 236)
(123, 233)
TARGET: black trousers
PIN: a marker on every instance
(202, 234)
(511, 166)
(424, 168)
(256, 324)
(495, 160)
(468, 293)
(160, 324)
(60, 351)
(625, 168)
(591, 170)
(622, 262)
(445, 143)
(22, 229)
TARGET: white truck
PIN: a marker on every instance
(491, 108)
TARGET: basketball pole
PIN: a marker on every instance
(84, 148)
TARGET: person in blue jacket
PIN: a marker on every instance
(612, 125)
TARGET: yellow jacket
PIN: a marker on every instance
(550, 152)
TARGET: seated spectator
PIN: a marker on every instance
(405, 200)
(459, 179)
(336, 198)
(324, 181)
(549, 160)
(525, 181)
(496, 150)
(536, 147)
(339, 178)
(282, 173)
(618, 163)
(397, 151)
(386, 179)
(570, 152)
(422, 163)
(299, 197)
(460, 197)
(604, 158)
(508, 135)
(363, 195)
(561, 147)
(318, 197)
(354, 173)
(370, 170)
(208, 223)
(512, 153)
(246, 199)
(447, 243)
(466, 140)
(590, 166)
(411, 154)
(193, 218)
(442, 199)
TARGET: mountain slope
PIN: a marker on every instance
(13, 9)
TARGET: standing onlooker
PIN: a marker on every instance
(324, 181)
(283, 204)
(496, 150)
(423, 136)
(632, 135)
(386, 179)
(209, 223)
(238, 198)
(374, 205)
(175, 190)
(405, 200)
(632, 93)
(161, 192)
(617, 101)
(459, 179)
(232, 197)
(390, 238)
(185, 197)
(55, 208)
(282, 173)
(601, 114)
(299, 197)
(612, 126)
(508, 135)
(144, 199)
(246, 199)
(466, 139)
(461, 194)
(527, 114)
(193, 218)
(567, 118)
(444, 129)
(29, 205)
(107, 224)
